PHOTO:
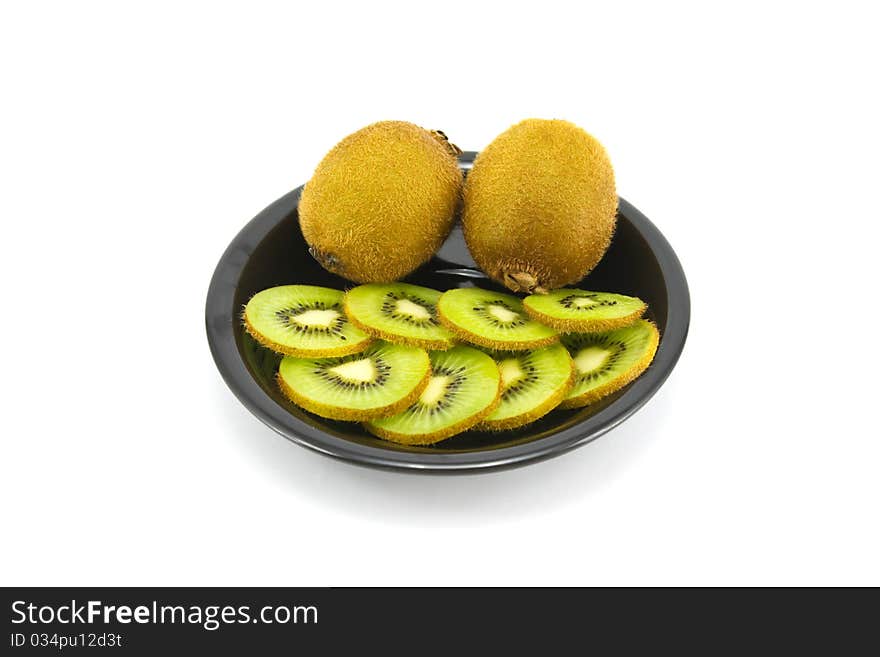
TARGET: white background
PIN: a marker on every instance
(137, 139)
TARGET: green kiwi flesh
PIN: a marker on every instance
(382, 380)
(492, 320)
(398, 312)
(303, 320)
(606, 362)
(580, 311)
(464, 388)
(533, 383)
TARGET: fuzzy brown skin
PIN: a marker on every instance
(381, 202)
(584, 325)
(540, 206)
(353, 415)
(594, 395)
(343, 350)
(436, 437)
(430, 345)
(536, 413)
(473, 338)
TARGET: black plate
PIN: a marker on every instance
(270, 251)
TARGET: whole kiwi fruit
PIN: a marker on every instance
(540, 206)
(381, 202)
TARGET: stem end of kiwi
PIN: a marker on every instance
(327, 260)
(441, 137)
(523, 281)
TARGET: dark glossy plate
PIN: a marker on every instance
(270, 251)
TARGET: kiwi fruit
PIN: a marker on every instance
(381, 202)
(492, 320)
(606, 362)
(532, 384)
(579, 311)
(382, 380)
(303, 320)
(540, 206)
(398, 312)
(464, 388)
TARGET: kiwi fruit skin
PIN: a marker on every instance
(440, 344)
(516, 421)
(540, 206)
(463, 334)
(381, 202)
(594, 395)
(353, 347)
(350, 414)
(447, 432)
(595, 325)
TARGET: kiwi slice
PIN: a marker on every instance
(383, 380)
(605, 362)
(303, 320)
(464, 388)
(579, 311)
(398, 312)
(493, 320)
(532, 384)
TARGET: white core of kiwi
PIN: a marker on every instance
(356, 371)
(511, 372)
(502, 314)
(414, 310)
(314, 317)
(434, 390)
(591, 358)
